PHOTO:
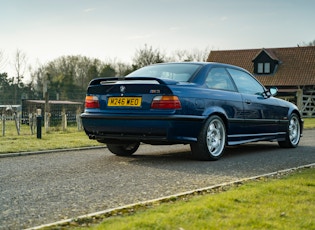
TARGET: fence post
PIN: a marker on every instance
(64, 119)
(299, 97)
(47, 121)
(17, 122)
(79, 122)
(3, 124)
(30, 122)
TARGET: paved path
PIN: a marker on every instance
(40, 189)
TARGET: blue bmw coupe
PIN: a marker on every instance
(207, 105)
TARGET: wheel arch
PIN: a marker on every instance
(297, 112)
(211, 142)
(218, 111)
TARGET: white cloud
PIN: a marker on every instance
(88, 10)
(139, 37)
(175, 28)
(223, 18)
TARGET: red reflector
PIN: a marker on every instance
(91, 102)
(166, 102)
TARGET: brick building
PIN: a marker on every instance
(291, 70)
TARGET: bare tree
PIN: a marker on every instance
(3, 60)
(147, 56)
(20, 61)
(122, 69)
(312, 43)
(190, 55)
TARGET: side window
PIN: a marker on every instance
(245, 83)
(218, 78)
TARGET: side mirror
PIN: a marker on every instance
(273, 91)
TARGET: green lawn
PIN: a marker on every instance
(56, 138)
(309, 123)
(285, 203)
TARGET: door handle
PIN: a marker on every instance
(247, 101)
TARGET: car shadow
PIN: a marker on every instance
(186, 155)
(248, 159)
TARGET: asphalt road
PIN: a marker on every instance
(41, 189)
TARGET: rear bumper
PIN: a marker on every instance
(168, 129)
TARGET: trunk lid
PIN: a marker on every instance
(128, 95)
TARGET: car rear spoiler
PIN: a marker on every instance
(113, 80)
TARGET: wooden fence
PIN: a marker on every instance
(308, 108)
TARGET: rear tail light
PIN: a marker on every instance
(91, 102)
(166, 102)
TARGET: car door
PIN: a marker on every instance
(223, 94)
(262, 114)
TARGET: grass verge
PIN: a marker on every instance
(285, 203)
(54, 139)
(309, 123)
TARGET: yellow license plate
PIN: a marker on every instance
(124, 101)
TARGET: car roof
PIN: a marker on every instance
(200, 63)
(206, 64)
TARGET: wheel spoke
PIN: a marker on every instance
(294, 130)
(214, 138)
(211, 140)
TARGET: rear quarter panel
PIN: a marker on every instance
(204, 102)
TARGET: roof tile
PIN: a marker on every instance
(296, 68)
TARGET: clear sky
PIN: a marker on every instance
(114, 29)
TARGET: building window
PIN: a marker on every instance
(263, 67)
(267, 67)
(260, 68)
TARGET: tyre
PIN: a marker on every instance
(211, 141)
(293, 133)
(125, 149)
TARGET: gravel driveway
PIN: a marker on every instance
(40, 189)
